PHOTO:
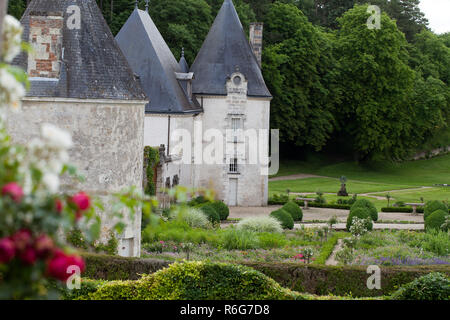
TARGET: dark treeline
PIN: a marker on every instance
(375, 93)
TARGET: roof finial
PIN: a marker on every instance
(146, 5)
(182, 52)
(136, 2)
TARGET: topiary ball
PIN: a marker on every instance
(284, 217)
(197, 201)
(222, 209)
(362, 213)
(210, 212)
(294, 210)
(433, 206)
(436, 220)
(364, 203)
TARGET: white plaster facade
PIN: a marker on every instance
(108, 143)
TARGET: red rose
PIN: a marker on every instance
(58, 266)
(59, 206)
(22, 239)
(44, 246)
(28, 256)
(7, 250)
(82, 201)
(13, 190)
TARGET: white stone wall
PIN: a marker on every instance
(255, 113)
(156, 134)
(109, 143)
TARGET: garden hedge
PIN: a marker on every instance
(367, 205)
(294, 210)
(284, 217)
(282, 202)
(436, 220)
(433, 206)
(314, 279)
(210, 212)
(222, 209)
(197, 281)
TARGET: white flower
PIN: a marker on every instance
(11, 90)
(51, 181)
(12, 38)
(56, 137)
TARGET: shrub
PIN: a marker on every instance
(285, 218)
(260, 224)
(397, 209)
(433, 206)
(210, 212)
(195, 218)
(196, 201)
(436, 220)
(222, 209)
(294, 210)
(271, 240)
(235, 239)
(87, 286)
(433, 286)
(361, 213)
(369, 206)
(197, 281)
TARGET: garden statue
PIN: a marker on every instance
(343, 192)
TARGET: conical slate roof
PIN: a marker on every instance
(93, 66)
(226, 48)
(151, 59)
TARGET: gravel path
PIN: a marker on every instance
(331, 261)
(320, 214)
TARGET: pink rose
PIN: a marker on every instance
(14, 191)
(59, 206)
(44, 246)
(58, 266)
(82, 201)
(22, 239)
(7, 250)
(28, 256)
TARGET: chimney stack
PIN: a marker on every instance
(46, 39)
(256, 39)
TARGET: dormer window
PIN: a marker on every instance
(185, 80)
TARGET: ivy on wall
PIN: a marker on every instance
(151, 160)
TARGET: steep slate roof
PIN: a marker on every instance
(150, 58)
(225, 48)
(94, 67)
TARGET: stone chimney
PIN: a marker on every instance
(256, 39)
(46, 40)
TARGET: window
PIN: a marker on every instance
(235, 124)
(234, 165)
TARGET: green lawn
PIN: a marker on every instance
(331, 185)
(382, 178)
(412, 173)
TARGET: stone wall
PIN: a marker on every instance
(108, 152)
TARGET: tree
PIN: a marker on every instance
(375, 113)
(16, 8)
(297, 65)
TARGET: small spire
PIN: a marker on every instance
(182, 52)
(136, 3)
(146, 5)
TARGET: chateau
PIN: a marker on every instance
(223, 93)
(116, 96)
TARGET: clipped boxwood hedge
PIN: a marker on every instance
(210, 212)
(222, 209)
(397, 209)
(436, 220)
(294, 210)
(284, 217)
(362, 213)
(367, 205)
(197, 281)
(281, 202)
(313, 279)
(433, 206)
